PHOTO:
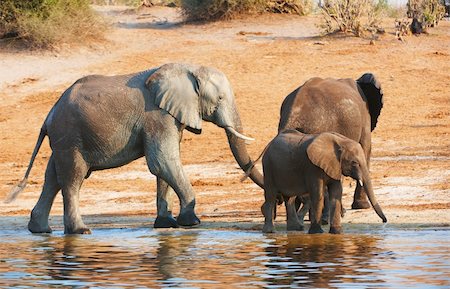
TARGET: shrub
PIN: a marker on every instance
(49, 23)
(210, 10)
(201, 10)
(351, 16)
(428, 12)
(299, 7)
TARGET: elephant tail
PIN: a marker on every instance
(374, 96)
(21, 185)
(252, 165)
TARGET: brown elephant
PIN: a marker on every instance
(345, 106)
(103, 122)
(298, 164)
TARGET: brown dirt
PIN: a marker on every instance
(265, 58)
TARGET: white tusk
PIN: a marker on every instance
(360, 183)
(239, 135)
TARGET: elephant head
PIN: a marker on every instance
(337, 155)
(194, 93)
(370, 88)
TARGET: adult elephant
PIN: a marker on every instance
(103, 122)
(345, 106)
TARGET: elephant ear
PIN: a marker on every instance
(371, 89)
(325, 153)
(175, 89)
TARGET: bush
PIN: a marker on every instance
(299, 7)
(428, 12)
(49, 23)
(201, 10)
(351, 16)
(210, 10)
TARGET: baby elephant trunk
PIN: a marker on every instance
(367, 184)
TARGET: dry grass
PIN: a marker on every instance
(49, 24)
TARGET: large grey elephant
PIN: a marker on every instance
(103, 122)
(298, 164)
(348, 107)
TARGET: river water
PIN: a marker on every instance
(196, 258)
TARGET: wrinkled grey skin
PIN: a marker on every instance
(297, 164)
(345, 106)
(103, 122)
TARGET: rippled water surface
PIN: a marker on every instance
(146, 258)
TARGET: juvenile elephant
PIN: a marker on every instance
(296, 164)
(345, 106)
(102, 122)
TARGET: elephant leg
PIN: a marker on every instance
(163, 160)
(268, 210)
(326, 209)
(164, 203)
(71, 171)
(317, 196)
(293, 223)
(305, 205)
(177, 179)
(335, 191)
(360, 200)
(39, 215)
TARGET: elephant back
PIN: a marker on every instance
(370, 88)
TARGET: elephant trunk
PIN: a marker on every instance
(239, 150)
(367, 184)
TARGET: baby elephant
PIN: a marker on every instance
(297, 164)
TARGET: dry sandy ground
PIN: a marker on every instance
(265, 58)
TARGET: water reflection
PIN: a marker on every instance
(217, 259)
(323, 260)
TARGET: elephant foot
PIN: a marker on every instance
(35, 227)
(188, 219)
(315, 229)
(165, 222)
(336, 230)
(268, 228)
(79, 231)
(295, 227)
(360, 204)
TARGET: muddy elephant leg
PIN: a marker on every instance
(39, 215)
(335, 191)
(164, 203)
(268, 210)
(293, 223)
(315, 214)
(71, 171)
